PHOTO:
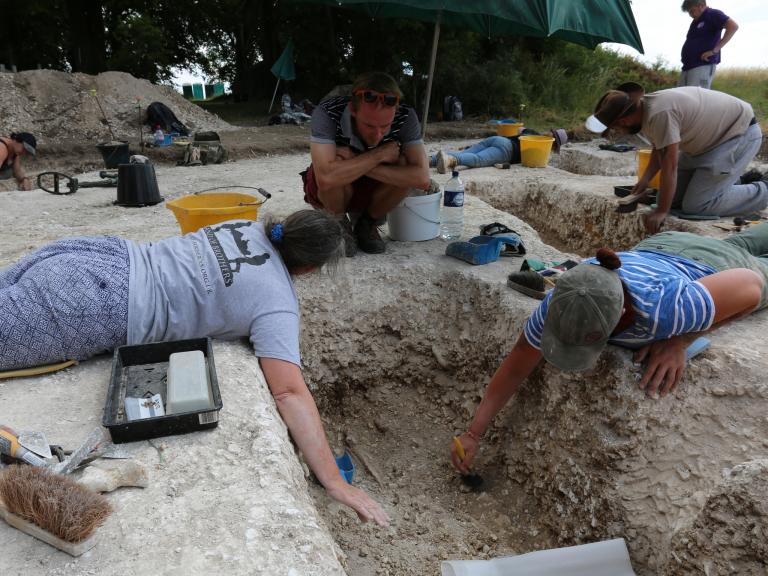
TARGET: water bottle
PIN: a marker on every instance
(159, 136)
(452, 213)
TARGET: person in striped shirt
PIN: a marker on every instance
(655, 299)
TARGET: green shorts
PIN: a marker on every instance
(748, 249)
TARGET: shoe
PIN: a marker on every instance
(446, 162)
(529, 283)
(348, 234)
(367, 235)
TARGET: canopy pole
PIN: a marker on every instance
(435, 38)
(273, 96)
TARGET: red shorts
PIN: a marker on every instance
(362, 191)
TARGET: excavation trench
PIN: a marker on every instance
(575, 458)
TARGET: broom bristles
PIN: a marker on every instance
(53, 502)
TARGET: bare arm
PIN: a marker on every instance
(730, 30)
(413, 174)
(18, 173)
(668, 156)
(299, 411)
(515, 368)
(333, 171)
(735, 293)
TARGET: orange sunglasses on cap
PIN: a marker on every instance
(371, 96)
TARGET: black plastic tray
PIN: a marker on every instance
(136, 369)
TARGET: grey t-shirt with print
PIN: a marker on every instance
(224, 281)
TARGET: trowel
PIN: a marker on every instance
(35, 442)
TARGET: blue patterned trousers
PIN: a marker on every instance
(68, 300)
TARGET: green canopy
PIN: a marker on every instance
(283, 69)
(584, 22)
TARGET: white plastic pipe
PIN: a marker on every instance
(609, 558)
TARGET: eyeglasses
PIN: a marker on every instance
(371, 96)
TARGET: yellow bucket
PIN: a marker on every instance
(643, 158)
(534, 150)
(198, 210)
(509, 128)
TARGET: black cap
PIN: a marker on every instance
(29, 141)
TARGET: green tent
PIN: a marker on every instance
(584, 22)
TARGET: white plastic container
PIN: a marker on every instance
(188, 387)
(416, 218)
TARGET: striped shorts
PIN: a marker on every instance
(68, 300)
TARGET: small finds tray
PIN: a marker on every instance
(142, 371)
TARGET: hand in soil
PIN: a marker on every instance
(470, 449)
(664, 366)
(653, 221)
(366, 507)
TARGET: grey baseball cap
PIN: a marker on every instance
(585, 307)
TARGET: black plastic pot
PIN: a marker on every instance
(137, 185)
(114, 154)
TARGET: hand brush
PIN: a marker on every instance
(51, 507)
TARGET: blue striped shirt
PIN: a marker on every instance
(667, 299)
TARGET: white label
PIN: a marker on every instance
(208, 417)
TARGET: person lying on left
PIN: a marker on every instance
(78, 297)
(12, 150)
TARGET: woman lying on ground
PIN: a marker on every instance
(77, 297)
(11, 152)
(656, 299)
(490, 151)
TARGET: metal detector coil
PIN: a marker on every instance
(72, 185)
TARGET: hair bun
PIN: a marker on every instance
(608, 259)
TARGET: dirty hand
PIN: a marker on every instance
(639, 188)
(26, 184)
(707, 55)
(366, 507)
(389, 153)
(470, 449)
(653, 221)
(664, 366)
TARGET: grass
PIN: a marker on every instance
(749, 84)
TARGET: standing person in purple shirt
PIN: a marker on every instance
(705, 39)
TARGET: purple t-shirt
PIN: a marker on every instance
(704, 33)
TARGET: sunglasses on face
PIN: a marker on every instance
(371, 96)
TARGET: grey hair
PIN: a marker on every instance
(309, 238)
(688, 4)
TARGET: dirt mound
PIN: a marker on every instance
(733, 521)
(58, 106)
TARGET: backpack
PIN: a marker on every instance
(205, 149)
(452, 109)
(159, 113)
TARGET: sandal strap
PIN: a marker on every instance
(496, 228)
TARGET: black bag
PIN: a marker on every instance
(452, 109)
(159, 114)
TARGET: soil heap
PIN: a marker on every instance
(59, 107)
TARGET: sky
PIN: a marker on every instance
(663, 27)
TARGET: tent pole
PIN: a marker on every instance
(273, 96)
(435, 38)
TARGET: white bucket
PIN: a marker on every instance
(416, 218)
